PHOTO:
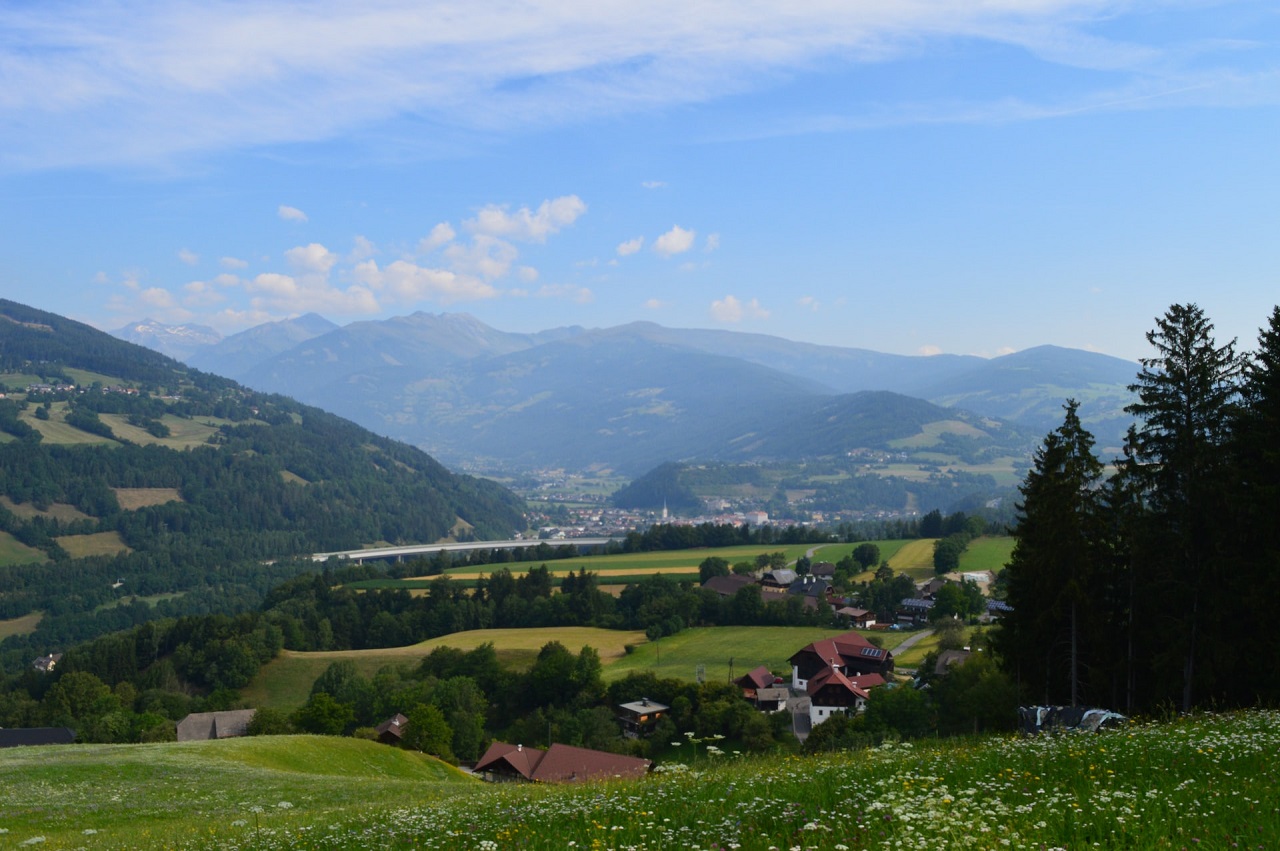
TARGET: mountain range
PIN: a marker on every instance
(633, 396)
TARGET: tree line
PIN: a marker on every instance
(1149, 582)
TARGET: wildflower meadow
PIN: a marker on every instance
(1211, 781)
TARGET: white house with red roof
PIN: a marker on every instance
(836, 674)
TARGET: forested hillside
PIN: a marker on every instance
(132, 486)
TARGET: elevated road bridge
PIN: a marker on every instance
(417, 550)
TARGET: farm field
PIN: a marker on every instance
(285, 682)
(1207, 781)
(24, 625)
(97, 544)
(56, 511)
(678, 656)
(55, 430)
(134, 498)
(183, 433)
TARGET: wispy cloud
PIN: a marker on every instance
(291, 214)
(141, 83)
(732, 310)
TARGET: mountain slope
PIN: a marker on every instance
(262, 478)
(240, 353)
(177, 341)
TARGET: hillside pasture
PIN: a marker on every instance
(226, 793)
(24, 625)
(914, 558)
(13, 551)
(285, 682)
(184, 433)
(930, 434)
(57, 431)
(131, 499)
(59, 511)
(97, 544)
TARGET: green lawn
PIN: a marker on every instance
(639, 564)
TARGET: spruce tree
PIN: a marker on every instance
(1054, 556)
(1188, 397)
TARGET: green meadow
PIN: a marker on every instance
(1204, 782)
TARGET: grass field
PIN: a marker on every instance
(13, 551)
(131, 499)
(97, 544)
(183, 433)
(203, 794)
(678, 656)
(285, 682)
(1208, 782)
(987, 553)
(56, 511)
(56, 431)
(24, 625)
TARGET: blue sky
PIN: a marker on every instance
(910, 176)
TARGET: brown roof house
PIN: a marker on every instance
(391, 731)
(558, 764)
(761, 687)
(850, 654)
(832, 693)
(202, 726)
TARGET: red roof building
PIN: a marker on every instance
(558, 764)
(850, 654)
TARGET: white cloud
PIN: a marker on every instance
(675, 241)
(528, 225)
(144, 83)
(186, 255)
(712, 243)
(311, 259)
(233, 263)
(929, 350)
(202, 294)
(291, 214)
(407, 282)
(156, 297)
(631, 246)
(654, 184)
(486, 256)
(731, 310)
(277, 293)
(528, 274)
(809, 302)
(441, 234)
(655, 304)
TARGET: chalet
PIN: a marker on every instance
(558, 764)
(20, 737)
(857, 618)
(639, 717)
(850, 654)
(780, 578)
(928, 590)
(773, 699)
(833, 693)
(203, 726)
(391, 731)
(823, 570)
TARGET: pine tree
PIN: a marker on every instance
(1188, 396)
(1053, 558)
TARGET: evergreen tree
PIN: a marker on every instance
(1054, 558)
(1188, 396)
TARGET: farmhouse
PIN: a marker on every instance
(391, 731)
(558, 764)
(850, 654)
(831, 693)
